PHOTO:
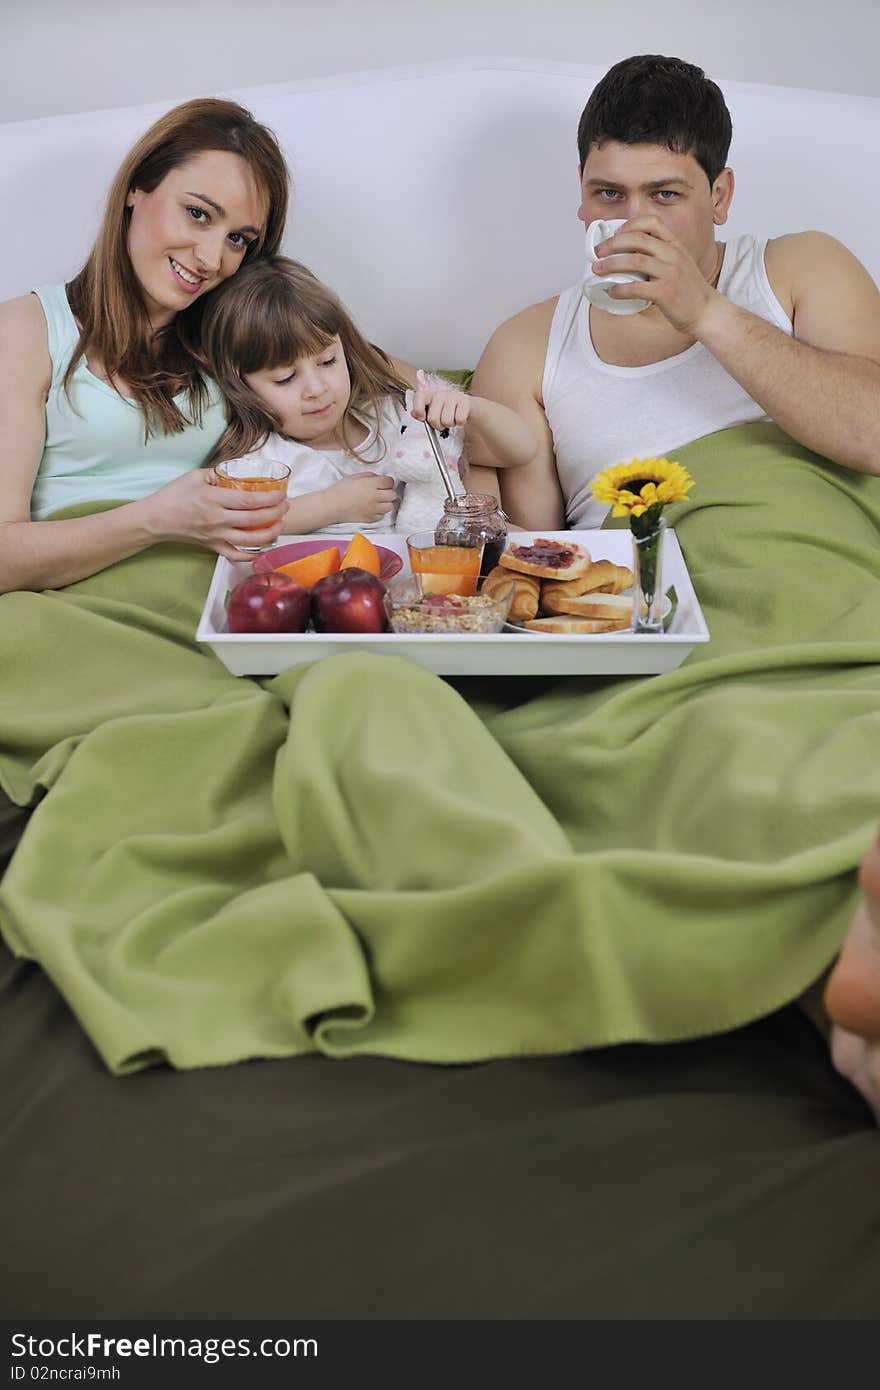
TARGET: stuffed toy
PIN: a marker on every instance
(413, 463)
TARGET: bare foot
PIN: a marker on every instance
(852, 995)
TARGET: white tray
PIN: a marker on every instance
(469, 654)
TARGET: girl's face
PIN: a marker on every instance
(192, 231)
(310, 396)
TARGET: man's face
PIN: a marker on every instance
(649, 180)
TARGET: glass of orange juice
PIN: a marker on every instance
(444, 569)
(252, 475)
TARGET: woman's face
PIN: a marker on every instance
(193, 230)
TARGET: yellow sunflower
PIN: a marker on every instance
(631, 488)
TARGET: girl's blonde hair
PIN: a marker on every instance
(106, 296)
(271, 313)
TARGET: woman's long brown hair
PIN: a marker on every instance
(106, 297)
(268, 315)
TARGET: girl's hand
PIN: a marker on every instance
(363, 497)
(194, 508)
(441, 406)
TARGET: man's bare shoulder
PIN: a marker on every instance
(811, 272)
(796, 259)
(529, 326)
(518, 346)
(804, 243)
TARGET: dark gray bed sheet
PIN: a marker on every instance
(735, 1177)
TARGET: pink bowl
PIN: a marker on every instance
(390, 563)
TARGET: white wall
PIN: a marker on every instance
(59, 56)
(439, 200)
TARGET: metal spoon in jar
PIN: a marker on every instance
(440, 460)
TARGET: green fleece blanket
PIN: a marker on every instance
(357, 857)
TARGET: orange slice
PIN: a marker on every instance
(308, 570)
(362, 555)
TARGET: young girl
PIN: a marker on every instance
(303, 386)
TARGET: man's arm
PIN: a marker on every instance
(823, 384)
(510, 372)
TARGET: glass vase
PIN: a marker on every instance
(648, 585)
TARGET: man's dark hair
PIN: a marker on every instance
(653, 100)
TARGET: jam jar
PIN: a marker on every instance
(475, 516)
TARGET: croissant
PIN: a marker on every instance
(526, 593)
(603, 576)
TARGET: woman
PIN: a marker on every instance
(101, 393)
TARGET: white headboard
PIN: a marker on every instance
(439, 200)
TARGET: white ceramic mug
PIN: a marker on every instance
(596, 287)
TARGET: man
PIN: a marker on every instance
(789, 329)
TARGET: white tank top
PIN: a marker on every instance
(600, 414)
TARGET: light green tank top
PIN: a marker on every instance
(96, 451)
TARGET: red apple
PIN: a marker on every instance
(351, 600)
(268, 603)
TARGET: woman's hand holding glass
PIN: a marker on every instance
(226, 520)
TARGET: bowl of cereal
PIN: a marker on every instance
(415, 612)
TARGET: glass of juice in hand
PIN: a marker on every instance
(444, 569)
(252, 475)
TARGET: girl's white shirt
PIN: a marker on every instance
(395, 447)
(314, 470)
